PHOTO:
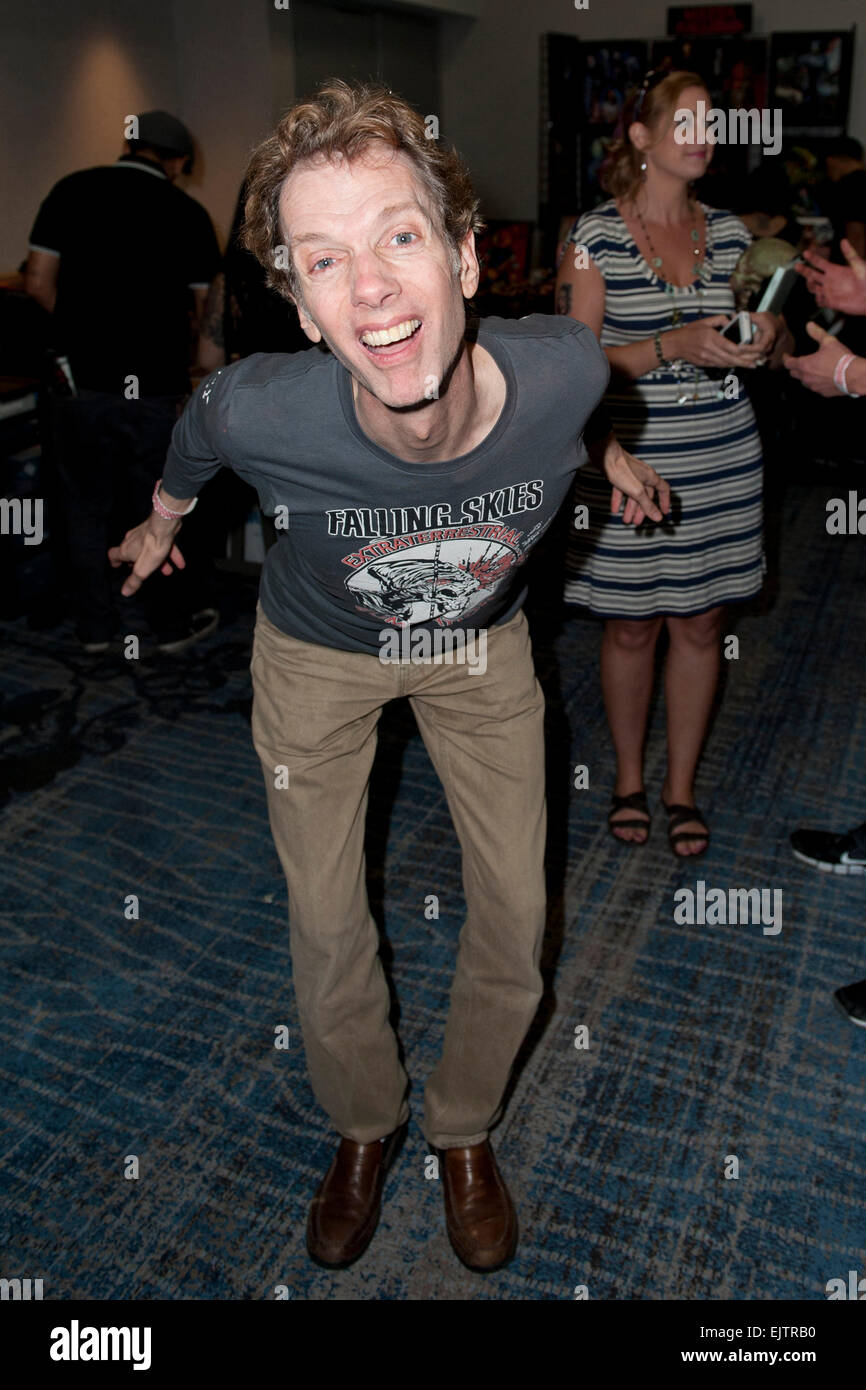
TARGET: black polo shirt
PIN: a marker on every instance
(131, 248)
(846, 201)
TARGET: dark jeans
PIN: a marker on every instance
(108, 453)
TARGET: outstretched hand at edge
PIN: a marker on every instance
(147, 547)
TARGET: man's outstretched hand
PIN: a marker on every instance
(839, 287)
(633, 481)
(147, 547)
(816, 369)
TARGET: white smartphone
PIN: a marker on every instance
(739, 329)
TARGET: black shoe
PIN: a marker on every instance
(851, 1001)
(94, 637)
(832, 854)
(199, 625)
(93, 640)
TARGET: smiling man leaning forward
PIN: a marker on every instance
(416, 465)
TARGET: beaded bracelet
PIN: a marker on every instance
(657, 342)
(163, 511)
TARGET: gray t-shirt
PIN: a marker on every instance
(368, 541)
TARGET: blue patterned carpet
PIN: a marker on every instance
(155, 1037)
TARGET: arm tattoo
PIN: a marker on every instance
(563, 299)
(212, 319)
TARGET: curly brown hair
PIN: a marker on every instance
(344, 119)
(620, 174)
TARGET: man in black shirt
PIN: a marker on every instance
(836, 428)
(846, 195)
(119, 257)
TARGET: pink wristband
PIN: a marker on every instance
(855, 395)
(839, 371)
(163, 511)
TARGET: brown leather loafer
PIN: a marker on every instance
(479, 1212)
(345, 1210)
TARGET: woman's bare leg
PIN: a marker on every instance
(691, 677)
(627, 651)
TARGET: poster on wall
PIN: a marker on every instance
(594, 148)
(810, 79)
(609, 70)
(560, 124)
(734, 69)
(709, 19)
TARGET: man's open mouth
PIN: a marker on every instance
(384, 341)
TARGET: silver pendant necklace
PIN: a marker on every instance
(699, 263)
(695, 236)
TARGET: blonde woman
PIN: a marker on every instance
(649, 271)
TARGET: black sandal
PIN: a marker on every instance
(678, 814)
(635, 801)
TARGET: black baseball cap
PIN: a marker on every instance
(164, 131)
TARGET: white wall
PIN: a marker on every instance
(222, 52)
(74, 70)
(467, 7)
(69, 78)
(490, 72)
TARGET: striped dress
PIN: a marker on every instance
(709, 550)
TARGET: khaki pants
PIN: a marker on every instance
(315, 713)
